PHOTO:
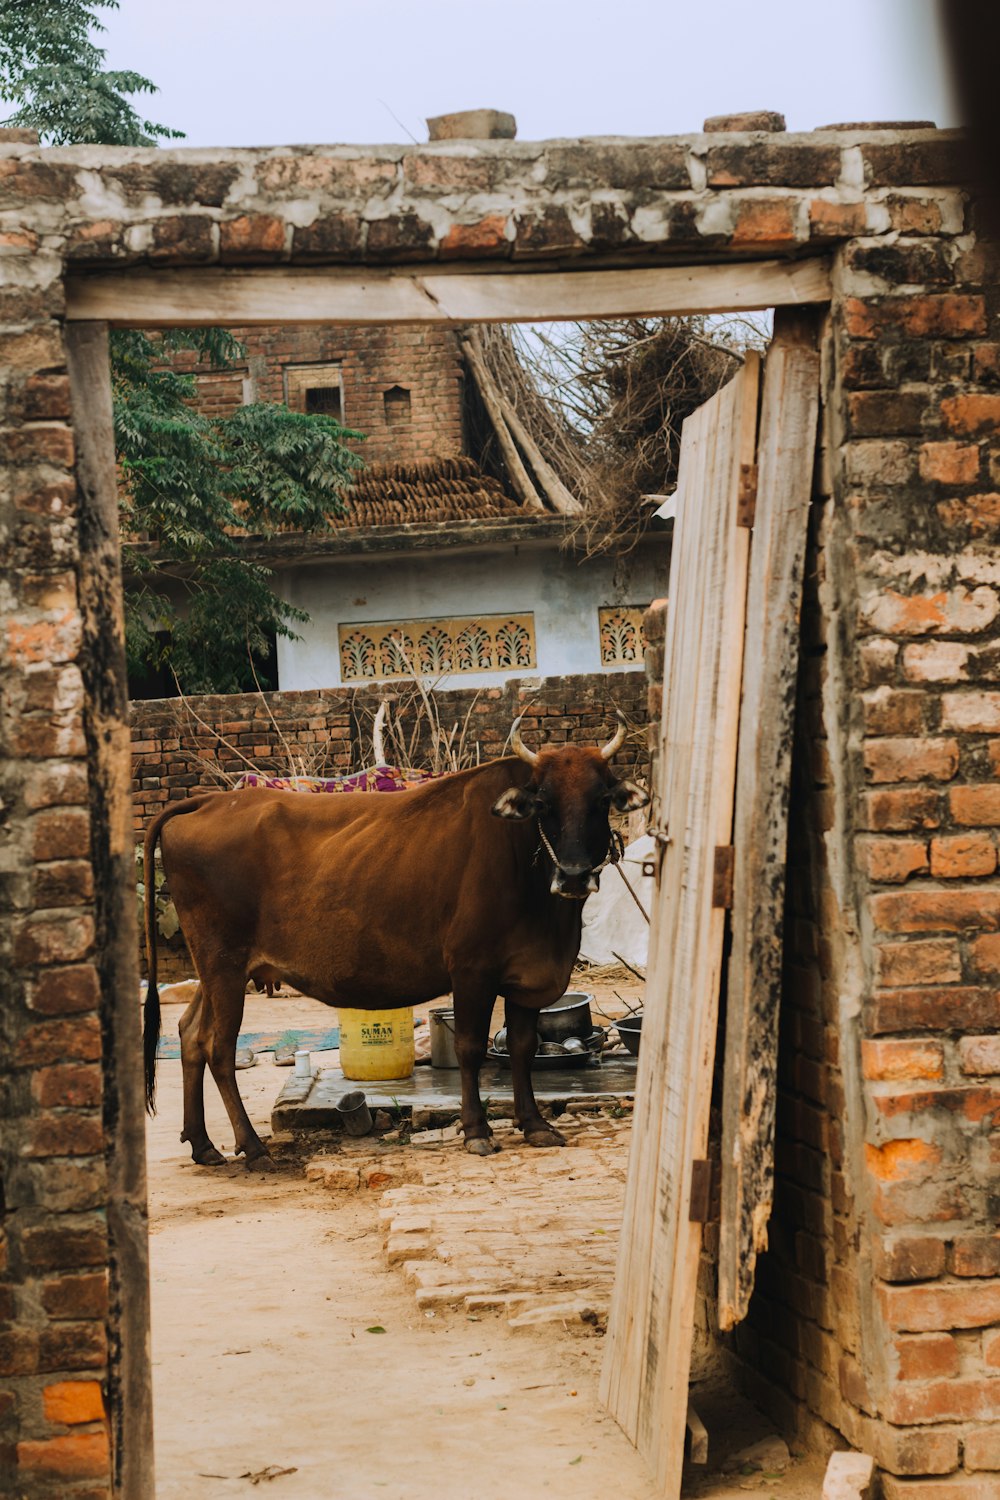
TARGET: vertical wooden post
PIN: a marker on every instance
(108, 753)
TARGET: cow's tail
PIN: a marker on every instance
(151, 1008)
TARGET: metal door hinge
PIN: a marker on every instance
(701, 1192)
(722, 876)
(746, 495)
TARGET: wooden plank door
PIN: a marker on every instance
(645, 1374)
(786, 455)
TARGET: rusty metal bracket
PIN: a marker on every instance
(701, 1191)
(722, 876)
(746, 495)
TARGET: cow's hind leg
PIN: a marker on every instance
(193, 1061)
(473, 1009)
(220, 1027)
(522, 1040)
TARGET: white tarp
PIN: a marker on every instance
(612, 923)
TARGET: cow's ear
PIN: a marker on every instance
(515, 803)
(627, 797)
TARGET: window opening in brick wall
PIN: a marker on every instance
(396, 402)
(315, 389)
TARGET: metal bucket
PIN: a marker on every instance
(354, 1113)
(443, 1054)
(568, 1016)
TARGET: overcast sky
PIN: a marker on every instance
(260, 72)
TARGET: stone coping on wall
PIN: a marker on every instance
(737, 196)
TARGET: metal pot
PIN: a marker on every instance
(443, 1054)
(569, 1016)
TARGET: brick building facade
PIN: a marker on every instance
(877, 1315)
(402, 386)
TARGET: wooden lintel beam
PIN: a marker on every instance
(213, 295)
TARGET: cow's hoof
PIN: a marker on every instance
(544, 1138)
(481, 1146)
(210, 1157)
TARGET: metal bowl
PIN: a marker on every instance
(629, 1029)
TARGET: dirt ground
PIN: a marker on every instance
(266, 1289)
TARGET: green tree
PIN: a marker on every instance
(191, 486)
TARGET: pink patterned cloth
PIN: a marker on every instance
(377, 779)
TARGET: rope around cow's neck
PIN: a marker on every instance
(615, 853)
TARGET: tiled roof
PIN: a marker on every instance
(433, 489)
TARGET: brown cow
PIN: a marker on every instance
(376, 902)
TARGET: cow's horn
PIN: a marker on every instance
(518, 745)
(616, 742)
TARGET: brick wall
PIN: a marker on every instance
(177, 748)
(373, 358)
(892, 1014)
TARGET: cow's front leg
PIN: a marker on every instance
(522, 1041)
(473, 1011)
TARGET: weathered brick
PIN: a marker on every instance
(65, 1135)
(60, 992)
(984, 954)
(951, 910)
(252, 237)
(893, 860)
(976, 1255)
(72, 1346)
(886, 413)
(69, 1402)
(926, 1356)
(958, 611)
(911, 759)
(949, 315)
(491, 236)
(963, 855)
(54, 940)
(60, 833)
(887, 1060)
(977, 515)
(943, 1306)
(918, 962)
(78, 1455)
(975, 805)
(67, 1086)
(981, 1448)
(944, 1400)
(908, 1258)
(936, 661)
(903, 811)
(954, 1487)
(979, 1054)
(67, 882)
(59, 1041)
(775, 163)
(973, 414)
(912, 1160)
(765, 221)
(65, 1248)
(76, 1297)
(949, 462)
(972, 712)
(891, 711)
(961, 1007)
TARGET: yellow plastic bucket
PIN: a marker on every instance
(376, 1044)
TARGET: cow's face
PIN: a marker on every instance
(571, 792)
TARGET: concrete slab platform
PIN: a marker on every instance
(310, 1103)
